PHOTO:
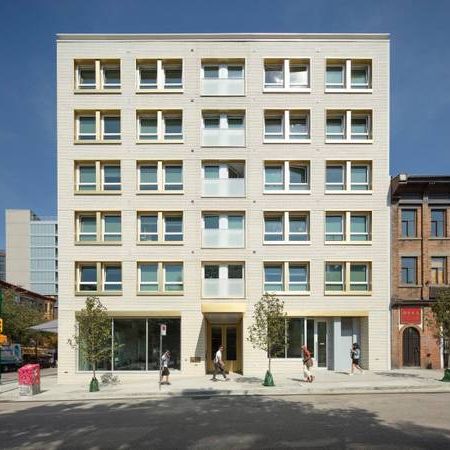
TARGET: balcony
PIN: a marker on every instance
(218, 137)
(225, 187)
(223, 288)
(223, 238)
(223, 87)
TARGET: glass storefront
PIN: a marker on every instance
(136, 345)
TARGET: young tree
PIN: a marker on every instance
(267, 332)
(92, 336)
(441, 321)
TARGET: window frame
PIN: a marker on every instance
(160, 183)
(409, 270)
(160, 65)
(161, 282)
(286, 65)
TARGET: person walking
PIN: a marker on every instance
(307, 364)
(219, 365)
(165, 360)
(355, 355)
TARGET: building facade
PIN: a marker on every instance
(420, 252)
(2, 265)
(196, 172)
(32, 251)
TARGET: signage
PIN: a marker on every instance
(163, 329)
(411, 315)
(1, 326)
(3, 339)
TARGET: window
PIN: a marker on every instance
(223, 230)
(112, 277)
(148, 227)
(160, 176)
(112, 227)
(274, 177)
(102, 278)
(360, 177)
(87, 181)
(408, 223)
(88, 227)
(284, 126)
(298, 332)
(290, 227)
(336, 127)
(409, 270)
(349, 126)
(223, 129)
(286, 277)
(298, 277)
(334, 276)
(438, 270)
(87, 128)
(173, 228)
(348, 226)
(348, 176)
(223, 71)
(273, 277)
(335, 177)
(159, 74)
(286, 74)
(160, 277)
(87, 278)
(97, 126)
(223, 179)
(223, 280)
(159, 126)
(347, 277)
(360, 127)
(344, 75)
(159, 227)
(111, 76)
(359, 277)
(438, 223)
(359, 227)
(334, 229)
(86, 75)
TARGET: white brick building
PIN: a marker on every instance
(196, 171)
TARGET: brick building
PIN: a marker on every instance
(420, 253)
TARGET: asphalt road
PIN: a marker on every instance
(376, 421)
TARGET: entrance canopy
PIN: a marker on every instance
(218, 318)
(50, 327)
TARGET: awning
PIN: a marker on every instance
(50, 327)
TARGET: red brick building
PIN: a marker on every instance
(420, 259)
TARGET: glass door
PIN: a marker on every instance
(229, 336)
(321, 333)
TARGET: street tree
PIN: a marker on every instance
(92, 338)
(441, 321)
(267, 332)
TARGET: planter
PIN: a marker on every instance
(93, 385)
(268, 380)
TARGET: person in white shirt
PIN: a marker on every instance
(219, 366)
(165, 359)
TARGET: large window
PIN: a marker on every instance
(409, 228)
(159, 75)
(160, 277)
(299, 331)
(438, 270)
(160, 126)
(223, 128)
(347, 277)
(223, 179)
(97, 126)
(286, 277)
(222, 78)
(344, 75)
(349, 126)
(409, 270)
(108, 78)
(101, 278)
(160, 177)
(286, 75)
(98, 227)
(348, 176)
(160, 227)
(292, 227)
(286, 176)
(286, 126)
(438, 223)
(223, 230)
(223, 280)
(348, 226)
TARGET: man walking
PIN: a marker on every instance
(219, 365)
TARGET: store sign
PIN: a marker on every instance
(163, 329)
(411, 315)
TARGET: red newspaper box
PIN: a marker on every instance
(29, 379)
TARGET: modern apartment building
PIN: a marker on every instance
(2, 265)
(198, 171)
(420, 255)
(32, 251)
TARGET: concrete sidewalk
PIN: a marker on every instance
(326, 382)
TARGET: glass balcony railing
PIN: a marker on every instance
(223, 86)
(223, 238)
(225, 137)
(223, 288)
(225, 187)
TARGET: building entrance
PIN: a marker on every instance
(411, 347)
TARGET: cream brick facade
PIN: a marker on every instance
(370, 311)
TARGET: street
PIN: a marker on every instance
(409, 421)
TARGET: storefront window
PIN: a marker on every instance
(170, 342)
(129, 344)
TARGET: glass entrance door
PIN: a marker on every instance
(229, 336)
(321, 333)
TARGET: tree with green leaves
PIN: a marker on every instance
(267, 332)
(441, 320)
(18, 316)
(92, 336)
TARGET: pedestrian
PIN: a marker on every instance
(219, 365)
(355, 355)
(307, 364)
(165, 359)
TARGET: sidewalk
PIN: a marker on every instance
(326, 382)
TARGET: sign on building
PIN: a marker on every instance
(410, 315)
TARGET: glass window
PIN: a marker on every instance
(113, 228)
(88, 278)
(438, 222)
(359, 227)
(173, 128)
(87, 128)
(148, 128)
(173, 228)
(298, 277)
(273, 228)
(273, 75)
(335, 77)
(148, 227)
(409, 270)
(360, 76)
(298, 177)
(235, 122)
(334, 227)
(359, 277)
(298, 75)
(335, 178)
(211, 72)
(173, 277)
(273, 178)
(87, 178)
(172, 341)
(336, 127)
(112, 278)
(273, 278)
(86, 77)
(235, 271)
(173, 178)
(148, 177)
(173, 76)
(295, 337)
(298, 228)
(235, 72)
(211, 122)
(298, 127)
(111, 178)
(211, 271)
(409, 223)
(130, 344)
(360, 127)
(360, 178)
(273, 127)
(211, 222)
(438, 270)
(211, 172)
(334, 277)
(88, 228)
(148, 277)
(111, 127)
(148, 77)
(111, 77)
(235, 222)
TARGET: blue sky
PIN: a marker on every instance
(420, 68)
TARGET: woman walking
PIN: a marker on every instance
(355, 355)
(165, 360)
(307, 364)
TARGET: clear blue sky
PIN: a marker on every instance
(420, 83)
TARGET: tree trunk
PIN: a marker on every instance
(270, 363)
(93, 370)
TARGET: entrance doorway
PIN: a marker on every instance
(321, 331)
(230, 336)
(411, 347)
